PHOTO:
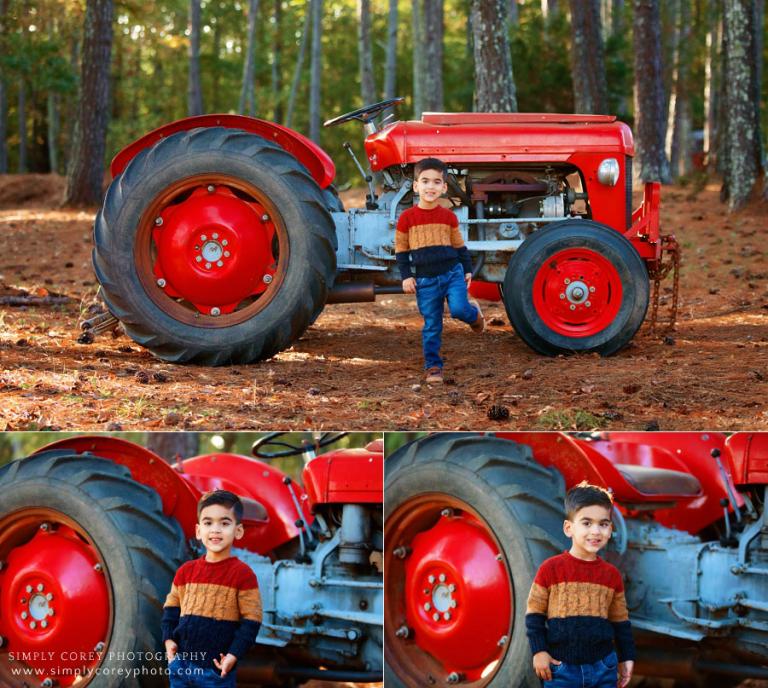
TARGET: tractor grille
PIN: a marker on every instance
(628, 187)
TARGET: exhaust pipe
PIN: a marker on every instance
(360, 292)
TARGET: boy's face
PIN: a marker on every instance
(589, 530)
(217, 528)
(430, 185)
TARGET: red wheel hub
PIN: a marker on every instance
(55, 603)
(577, 292)
(458, 595)
(214, 249)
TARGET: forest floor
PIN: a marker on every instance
(359, 366)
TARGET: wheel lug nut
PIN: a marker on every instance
(567, 281)
(226, 254)
(562, 296)
(44, 526)
(224, 242)
(502, 641)
(48, 683)
(211, 188)
(158, 221)
(431, 580)
(219, 263)
(403, 632)
(99, 647)
(267, 279)
(264, 217)
(28, 588)
(203, 237)
(587, 304)
(401, 552)
(573, 307)
(161, 283)
(454, 677)
(453, 604)
(97, 568)
(40, 587)
(49, 596)
(447, 616)
(215, 235)
(23, 600)
(199, 259)
(436, 617)
(446, 513)
(208, 266)
(592, 289)
(427, 606)
(442, 578)
(50, 612)
(24, 616)
(452, 587)
(32, 625)
(215, 311)
(44, 624)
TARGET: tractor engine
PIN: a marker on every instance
(324, 604)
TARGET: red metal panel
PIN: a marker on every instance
(749, 454)
(178, 497)
(314, 158)
(594, 460)
(257, 480)
(345, 476)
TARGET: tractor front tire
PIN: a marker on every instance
(576, 286)
(101, 544)
(464, 508)
(215, 246)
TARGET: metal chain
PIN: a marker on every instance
(669, 246)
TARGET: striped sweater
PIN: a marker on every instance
(213, 608)
(430, 241)
(577, 611)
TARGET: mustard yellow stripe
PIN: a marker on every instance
(538, 600)
(173, 597)
(423, 236)
(249, 602)
(212, 601)
(457, 241)
(579, 599)
(401, 242)
(618, 609)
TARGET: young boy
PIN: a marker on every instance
(576, 608)
(428, 239)
(213, 613)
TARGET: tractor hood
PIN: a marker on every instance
(497, 138)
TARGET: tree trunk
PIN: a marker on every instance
(390, 75)
(494, 81)
(247, 89)
(417, 24)
(277, 63)
(194, 89)
(590, 89)
(433, 41)
(679, 116)
(364, 52)
(513, 16)
(315, 70)
(299, 63)
(650, 111)
(3, 129)
(172, 446)
(53, 132)
(711, 78)
(617, 17)
(22, 117)
(86, 169)
(549, 8)
(743, 164)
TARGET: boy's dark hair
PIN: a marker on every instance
(224, 498)
(431, 164)
(584, 495)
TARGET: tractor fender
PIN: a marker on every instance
(180, 487)
(307, 152)
(346, 476)
(748, 454)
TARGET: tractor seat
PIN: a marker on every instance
(253, 510)
(659, 481)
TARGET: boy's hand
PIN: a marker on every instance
(171, 648)
(625, 672)
(409, 285)
(226, 664)
(541, 662)
(468, 278)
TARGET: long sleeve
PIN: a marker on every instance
(402, 248)
(536, 616)
(249, 605)
(171, 613)
(622, 628)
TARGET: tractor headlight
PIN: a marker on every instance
(608, 172)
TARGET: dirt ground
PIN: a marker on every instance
(359, 365)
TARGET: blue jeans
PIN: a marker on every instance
(431, 292)
(604, 673)
(184, 674)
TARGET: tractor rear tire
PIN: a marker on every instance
(123, 523)
(576, 257)
(253, 172)
(516, 501)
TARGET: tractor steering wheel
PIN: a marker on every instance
(272, 439)
(365, 114)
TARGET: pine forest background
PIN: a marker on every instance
(299, 62)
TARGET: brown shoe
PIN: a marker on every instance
(479, 324)
(434, 375)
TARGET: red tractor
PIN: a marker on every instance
(221, 237)
(92, 530)
(469, 518)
